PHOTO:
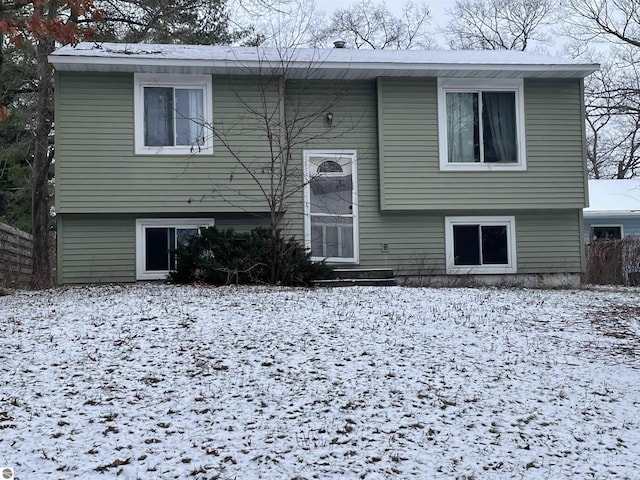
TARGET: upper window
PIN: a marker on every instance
(481, 124)
(173, 114)
(606, 232)
(480, 244)
(157, 240)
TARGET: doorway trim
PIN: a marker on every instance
(344, 158)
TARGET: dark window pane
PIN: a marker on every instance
(317, 241)
(499, 127)
(331, 241)
(610, 233)
(329, 166)
(466, 244)
(158, 116)
(157, 245)
(346, 240)
(494, 245)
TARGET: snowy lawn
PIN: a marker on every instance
(164, 382)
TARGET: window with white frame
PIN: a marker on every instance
(481, 124)
(606, 232)
(157, 240)
(480, 245)
(173, 114)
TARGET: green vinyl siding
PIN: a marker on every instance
(95, 249)
(102, 248)
(410, 176)
(353, 104)
(403, 198)
(416, 243)
(97, 170)
(546, 242)
(549, 242)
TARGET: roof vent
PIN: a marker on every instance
(340, 44)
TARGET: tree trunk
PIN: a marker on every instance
(40, 253)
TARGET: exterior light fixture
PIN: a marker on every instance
(328, 119)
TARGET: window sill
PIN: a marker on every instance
(480, 270)
(482, 167)
(336, 260)
(206, 150)
(161, 275)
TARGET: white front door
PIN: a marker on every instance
(331, 207)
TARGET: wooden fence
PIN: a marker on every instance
(15, 257)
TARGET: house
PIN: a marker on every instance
(431, 164)
(614, 209)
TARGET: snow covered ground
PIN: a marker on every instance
(163, 382)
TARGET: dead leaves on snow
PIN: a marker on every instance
(115, 464)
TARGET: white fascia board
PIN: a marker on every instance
(344, 71)
(312, 67)
(611, 213)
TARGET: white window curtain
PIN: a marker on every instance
(499, 127)
(462, 127)
(189, 116)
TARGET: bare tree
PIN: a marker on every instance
(285, 109)
(611, 20)
(499, 24)
(613, 122)
(613, 96)
(279, 23)
(369, 25)
(601, 144)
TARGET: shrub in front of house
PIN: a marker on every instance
(613, 261)
(221, 257)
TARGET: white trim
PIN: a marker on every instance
(603, 225)
(143, 223)
(325, 63)
(611, 213)
(508, 221)
(345, 156)
(481, 85)
(142, 80)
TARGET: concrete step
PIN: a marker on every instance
(361, 273)
(359, 277)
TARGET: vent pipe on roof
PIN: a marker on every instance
(340, 44)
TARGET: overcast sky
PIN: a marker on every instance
(436, 7)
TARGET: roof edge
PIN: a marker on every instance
(128, 57)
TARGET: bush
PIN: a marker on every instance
(613, 262)
(221, 257)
